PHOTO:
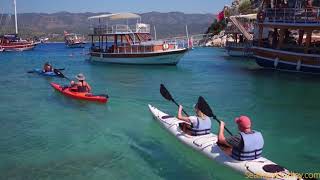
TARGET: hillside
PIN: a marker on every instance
(53, 25)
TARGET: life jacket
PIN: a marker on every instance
(82, 88)
(203, 127)
(252, 147)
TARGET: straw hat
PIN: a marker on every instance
(80, 77)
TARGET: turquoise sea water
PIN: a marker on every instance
(44, 135)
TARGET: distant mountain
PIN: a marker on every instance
(52, 25)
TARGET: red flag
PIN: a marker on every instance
(220, 16)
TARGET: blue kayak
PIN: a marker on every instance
(40, 72)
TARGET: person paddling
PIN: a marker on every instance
(47, 67)
(81, 85)
(200, 123)
(247, 145)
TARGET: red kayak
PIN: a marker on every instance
(79, 95)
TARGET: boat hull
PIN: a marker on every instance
(239, 53)
(76, 45)
(287, 66)
(163, 58)
(26, 47)
(287, 61)
(239, 49)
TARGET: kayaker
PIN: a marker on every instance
(247, 145)
(200, 123)
(47, 67)
(81, 85)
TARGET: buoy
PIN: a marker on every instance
(165, 46)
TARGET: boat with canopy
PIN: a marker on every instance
(113, 40)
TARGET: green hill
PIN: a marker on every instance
(52, 25)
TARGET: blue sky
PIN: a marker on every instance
(50, 6)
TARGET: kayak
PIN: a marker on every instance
(260, 168)
(79, 95)
(40, 72)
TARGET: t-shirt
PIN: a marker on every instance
(204, 123)
(235, 141)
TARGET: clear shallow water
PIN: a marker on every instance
(44, 135)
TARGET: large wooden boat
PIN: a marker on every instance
(73, 40)
(124, 44)
(291, 42)
(12, 42)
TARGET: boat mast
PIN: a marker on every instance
(155, 32)
(187, 36)
(15, 15)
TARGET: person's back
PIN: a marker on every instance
(252, 143)
(83, 86)
(200, 125)
(247, 145)
(47, 68)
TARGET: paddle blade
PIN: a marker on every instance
(204, 107)
(103, 95)
(31, 71)
(165, 93)
(58, 73)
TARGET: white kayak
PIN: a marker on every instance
(260, 168)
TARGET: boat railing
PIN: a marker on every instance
(239, 44)
(160, 45)
(313, 49)
(180, 42)
(121, 29)
(292, 15)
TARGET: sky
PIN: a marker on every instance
(137, 6)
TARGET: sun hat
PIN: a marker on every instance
(80, 77)
(243, 121)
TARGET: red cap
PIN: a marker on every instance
(243, 121)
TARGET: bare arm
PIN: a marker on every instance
(89, 87)
(221, 137)
(181, 117)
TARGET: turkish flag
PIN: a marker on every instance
(220, 16)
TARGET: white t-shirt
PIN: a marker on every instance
(203, 123)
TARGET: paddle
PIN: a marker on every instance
(205, 108)
(103, 95)
(33, 71)
(166, 94)
(202, 105)
(59, 73)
